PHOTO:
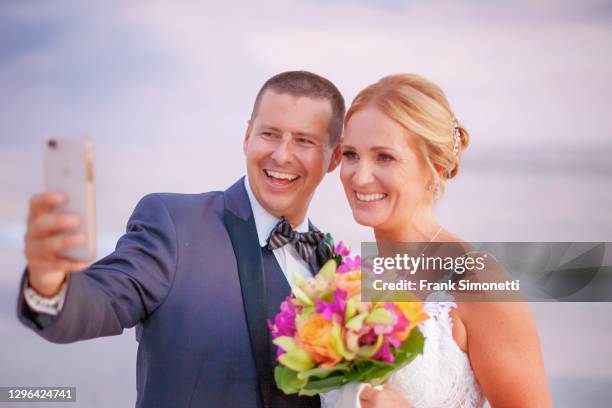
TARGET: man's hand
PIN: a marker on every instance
(390, 396)
(47, 235)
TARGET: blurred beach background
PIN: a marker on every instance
(164, 89)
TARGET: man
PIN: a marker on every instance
(200, 274)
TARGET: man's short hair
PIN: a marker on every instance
(304, 83)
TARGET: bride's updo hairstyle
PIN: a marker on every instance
(421, 108)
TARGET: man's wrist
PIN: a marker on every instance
(51, 305)
(44, 289)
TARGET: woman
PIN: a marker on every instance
(402, 143)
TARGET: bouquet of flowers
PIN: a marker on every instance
(326, 336)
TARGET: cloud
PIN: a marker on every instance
(517, 74)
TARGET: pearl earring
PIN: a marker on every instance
(435, 188)
(436, 191)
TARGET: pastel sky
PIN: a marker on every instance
(165, 88)
(521, 73)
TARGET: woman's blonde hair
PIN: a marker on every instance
(421, 107)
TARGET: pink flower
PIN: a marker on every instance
(337, 307)
(384, 352)
(342, 249)
(284, 323)
(400, 321)
(399, 325)
(391, 333)
(368, 338)
(349, 264)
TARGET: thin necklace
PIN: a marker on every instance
(432, 238)
(436, 235)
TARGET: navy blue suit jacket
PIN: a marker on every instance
(188, 275)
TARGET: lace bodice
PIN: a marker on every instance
(442, 376)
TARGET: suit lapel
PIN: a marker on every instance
(240, 224)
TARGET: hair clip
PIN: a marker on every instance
(456, 137)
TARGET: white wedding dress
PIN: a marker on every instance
(441, 377)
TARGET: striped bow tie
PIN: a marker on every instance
(305, 243)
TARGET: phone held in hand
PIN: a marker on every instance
(69, 170)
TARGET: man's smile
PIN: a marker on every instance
(279, 177)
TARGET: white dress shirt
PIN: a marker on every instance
(41, 304)
(287, 257)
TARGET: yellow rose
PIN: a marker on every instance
(414, 313)
(313, 335)
(349, 282)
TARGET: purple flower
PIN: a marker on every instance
(384, 352)
(368, 338)
(284, 323)
(342, 249)
(349, 264)
(383, 328)
(399, 325)
(337, 307)
(395, 342)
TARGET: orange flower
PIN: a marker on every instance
(414, 313)
(313, 335)
(349, 282)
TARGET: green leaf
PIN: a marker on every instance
(361, 370)
(285, 342)
(381, 371)
(328, 270)
(287, 380)
(356, 322)
(301, 296)
(321, 386)
(379, 316)
(297, 360)
(380, 375)
(338, 259)
(413, 345)
(351, 310)
(322, 373)
(318, 380)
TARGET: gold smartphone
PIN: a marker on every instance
(69, 170)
